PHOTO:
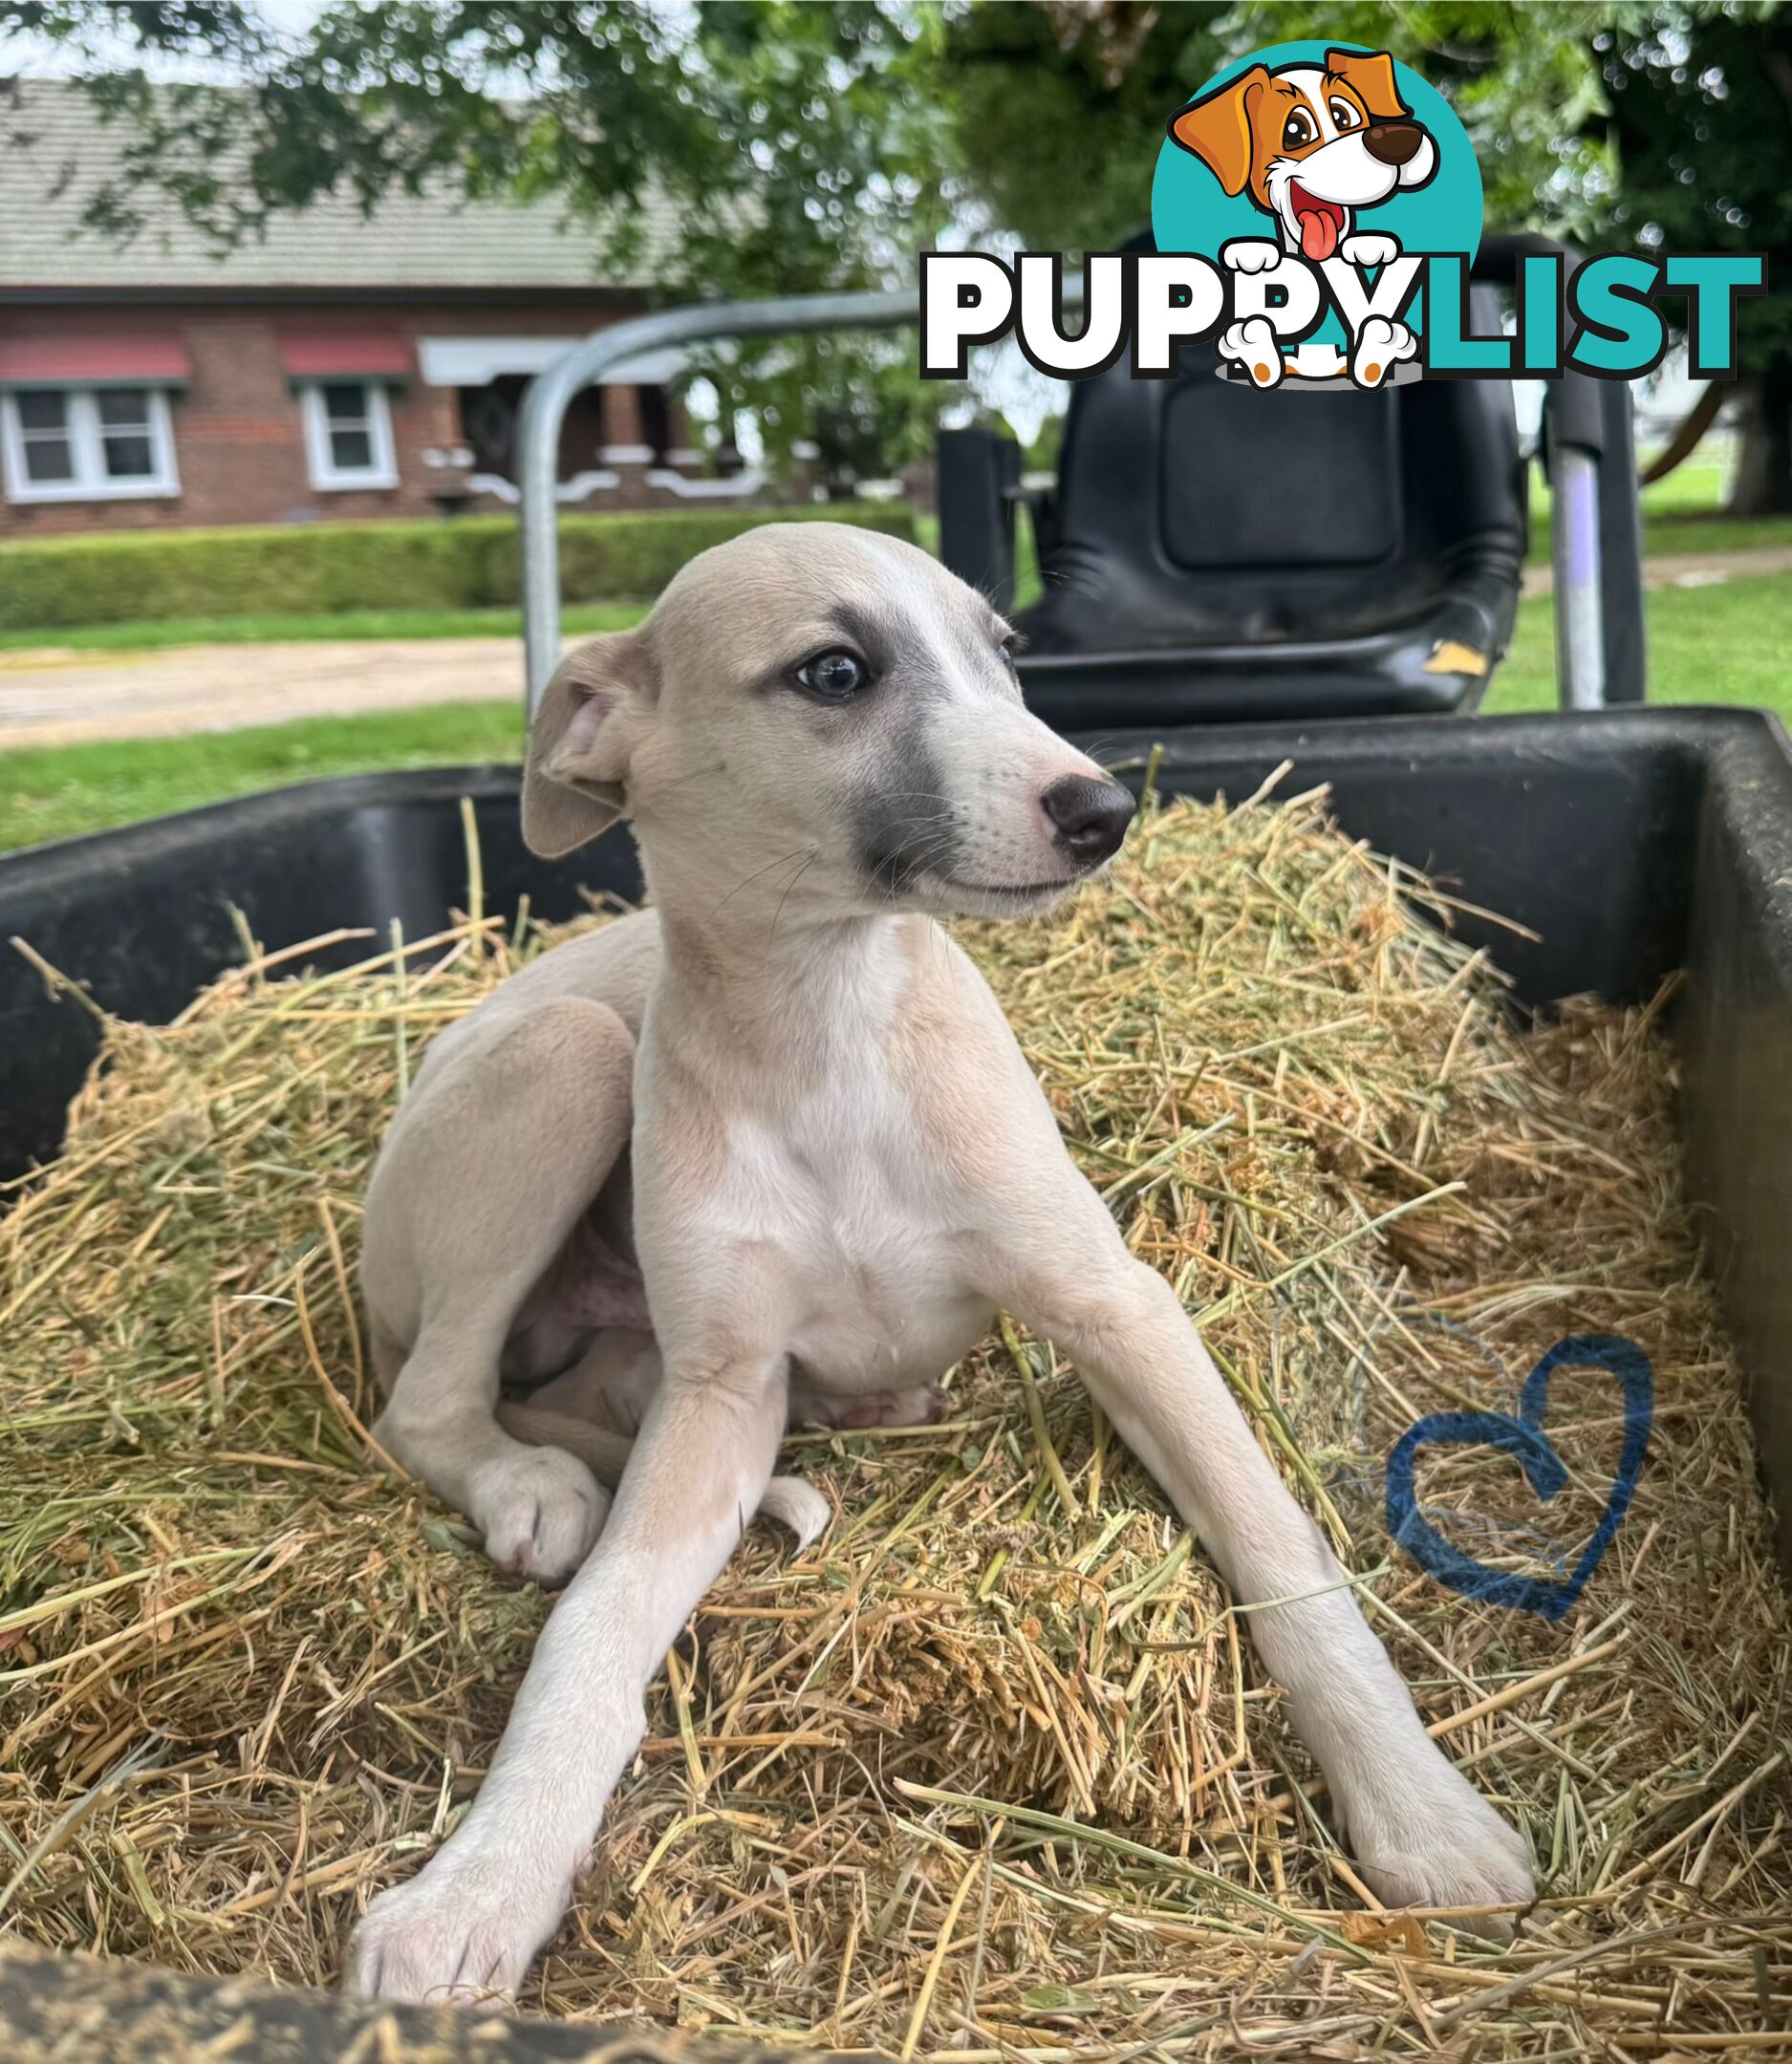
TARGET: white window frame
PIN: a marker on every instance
(325, 476)
(91, 483)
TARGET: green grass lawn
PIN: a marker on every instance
(1705, 531)
(1683, 513)
(583, 618)
(1726, 644)
(1696, 483)
(1707, 644)
(57, 791)
(1680, 514)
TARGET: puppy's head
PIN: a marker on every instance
(1310, 143)
(825, 715)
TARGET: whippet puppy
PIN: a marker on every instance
(770, 1148)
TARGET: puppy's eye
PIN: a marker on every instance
(1005, 652)
(1297, 130)
(833, 677)
(1344, 115)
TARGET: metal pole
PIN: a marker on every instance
(551, 393)
(1579, 612)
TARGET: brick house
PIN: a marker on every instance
(342, 366)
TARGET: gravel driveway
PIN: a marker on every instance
(51, 697)
(56, 698)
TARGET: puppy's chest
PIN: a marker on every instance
(866, 1224)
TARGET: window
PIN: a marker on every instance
(87, 443)
(348, 434)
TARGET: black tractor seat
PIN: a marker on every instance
(1212, 554)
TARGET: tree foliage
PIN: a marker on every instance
(1059, 107)
(806, 147)
(1698, 122)
(1698, 116)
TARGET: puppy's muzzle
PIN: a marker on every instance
(1392, 143)
(1089, 817)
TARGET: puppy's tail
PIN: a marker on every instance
(787, 1500)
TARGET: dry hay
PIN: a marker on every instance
(991, 1771)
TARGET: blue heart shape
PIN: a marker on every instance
(1524, 1438)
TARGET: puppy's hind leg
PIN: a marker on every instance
(617, 1378)
(487, 1171)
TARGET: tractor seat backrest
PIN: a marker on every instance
(1195, 511)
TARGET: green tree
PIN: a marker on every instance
(1617, 125)
(808, 147)
(1697, 134)
(1057, 107)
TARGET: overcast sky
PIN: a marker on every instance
(39, 57)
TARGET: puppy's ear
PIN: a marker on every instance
(1373, 78)
(575, 784)
(1217, 130)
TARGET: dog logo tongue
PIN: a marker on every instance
(1319, 221)
(1319, 235)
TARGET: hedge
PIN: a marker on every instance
(463, 562)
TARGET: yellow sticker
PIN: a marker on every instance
(1449, 657)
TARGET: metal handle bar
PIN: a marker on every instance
(1578, 658)
(551, 393)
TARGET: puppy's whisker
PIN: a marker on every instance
(814, 855)
(678, 781)
(937, 849)
(747, 880)
(926, 853)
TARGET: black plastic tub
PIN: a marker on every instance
(1632, 841)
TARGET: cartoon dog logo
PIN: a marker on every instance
(1312, 144)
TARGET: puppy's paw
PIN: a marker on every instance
(855, 1411)
(798, 1506)
(1252, 344)
(1368, 249)
(452, 1936)
(1250, 254)
(1380, 348)
(923, 1405)
(1428, 1839)
(540, 1510)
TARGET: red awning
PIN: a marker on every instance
(75, 360)
(346, 355)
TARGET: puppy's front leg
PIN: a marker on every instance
(471, 1922)
(1421, 1832)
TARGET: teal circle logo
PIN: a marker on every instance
(1318, 151)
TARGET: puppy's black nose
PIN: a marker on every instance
(1091, 816)
(1392, 143)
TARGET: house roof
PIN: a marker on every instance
(55, 152)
